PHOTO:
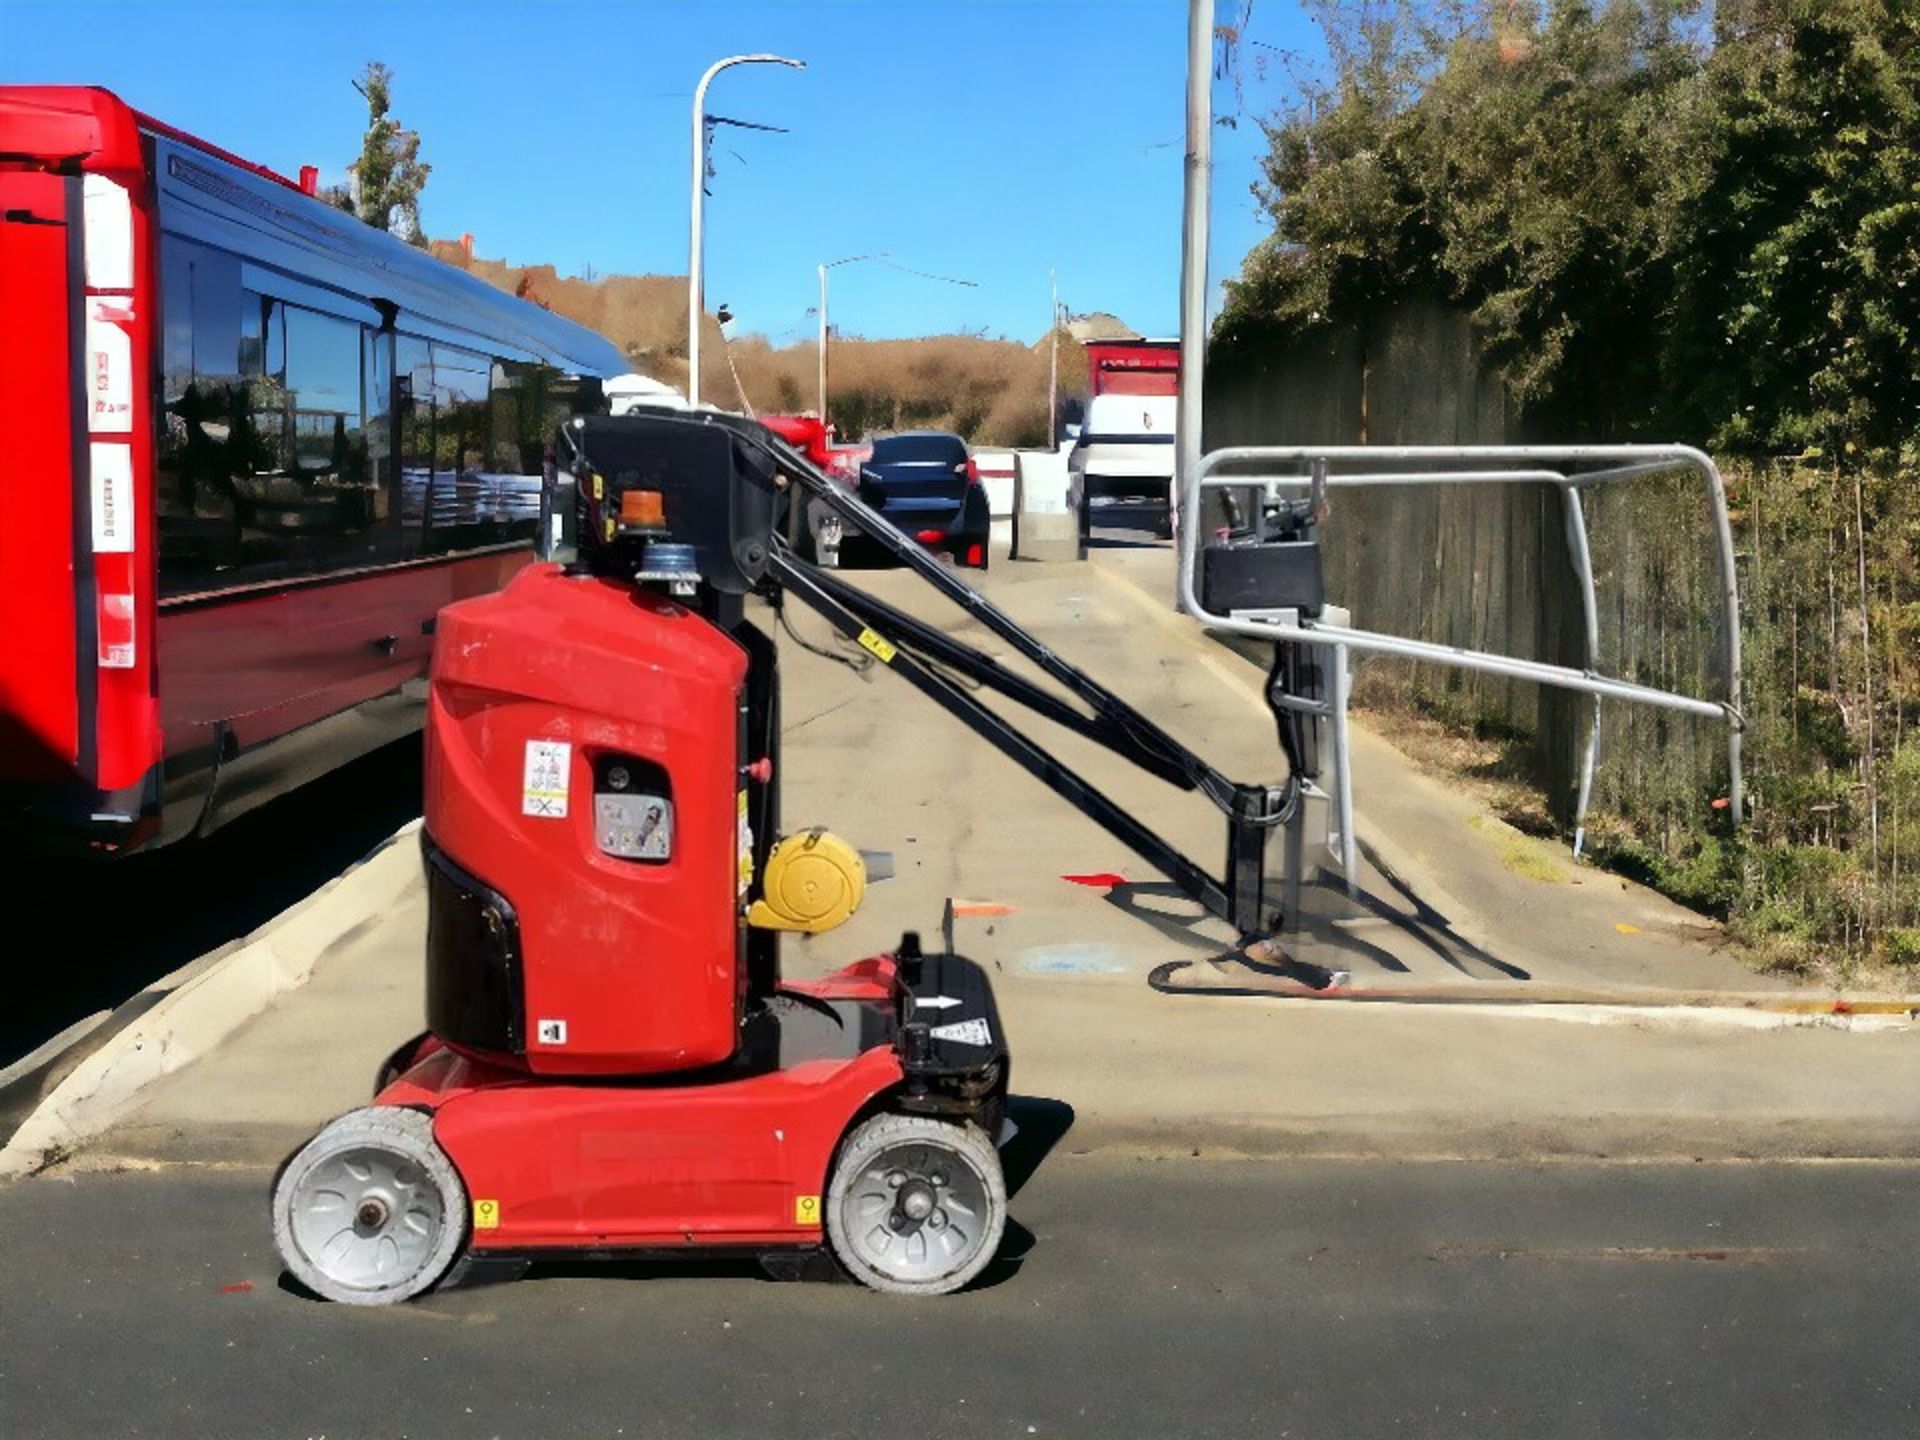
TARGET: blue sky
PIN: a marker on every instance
(971, 138)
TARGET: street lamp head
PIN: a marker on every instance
(695, 288)
(762, 59)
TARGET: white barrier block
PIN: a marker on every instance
(1045, 526)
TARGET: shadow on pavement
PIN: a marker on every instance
(1331, 929)
(122, 924)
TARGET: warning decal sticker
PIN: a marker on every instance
(109, 377)
(746, 849)
(543, 786)
(964, 1032)
(111, 471)
(881, 647)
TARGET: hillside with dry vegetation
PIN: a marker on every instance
(994, 392)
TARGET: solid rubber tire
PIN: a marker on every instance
(881, 1132)
(404, 1132)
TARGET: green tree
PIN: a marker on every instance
(1673, 219)
(1704, 227)
(1794, 327)
(1524, 162)
(387, 179)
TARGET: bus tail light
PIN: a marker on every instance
(115, 608)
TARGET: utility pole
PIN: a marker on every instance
(823, 347)
(829, 265)
(696, 248)
(881, 257)
(1053, 364)
(1193, 260)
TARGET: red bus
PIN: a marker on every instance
(251, 446)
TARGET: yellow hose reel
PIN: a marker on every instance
(813, 882)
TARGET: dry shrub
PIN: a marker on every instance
(994, 392)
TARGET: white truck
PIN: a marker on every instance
(1121, 466)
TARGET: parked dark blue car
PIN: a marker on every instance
(924, 482)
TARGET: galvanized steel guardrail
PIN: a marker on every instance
(1232, 468)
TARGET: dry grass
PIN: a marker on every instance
(1493, 767)
(991, 391)
(1494, 764)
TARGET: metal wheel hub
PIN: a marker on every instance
(367, 1218)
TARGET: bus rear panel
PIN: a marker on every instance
(254, 447)
(80, 744)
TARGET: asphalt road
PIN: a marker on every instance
(1154, 1298)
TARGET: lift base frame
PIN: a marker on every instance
(735, 1158)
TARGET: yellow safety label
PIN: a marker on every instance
(745, 863)
(806, 1209)
(486, 1214)
(881, 647)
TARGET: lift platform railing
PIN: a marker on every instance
(1249, 471)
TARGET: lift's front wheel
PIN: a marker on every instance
(370, 1211)
(916, 1205)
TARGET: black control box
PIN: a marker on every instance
(1262, 575)
(648, 482)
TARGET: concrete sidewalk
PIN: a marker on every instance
(1146, 1072)
(1475, 898)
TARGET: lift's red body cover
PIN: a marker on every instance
(556, 1164)
(643, 961)
(639, 963)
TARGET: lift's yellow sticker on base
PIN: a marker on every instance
(806, 1209)
(486, 1214)
(879, 644)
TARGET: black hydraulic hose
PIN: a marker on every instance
(855, 659)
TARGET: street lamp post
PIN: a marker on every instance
(696, 280)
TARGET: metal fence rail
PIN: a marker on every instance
(1234, 468)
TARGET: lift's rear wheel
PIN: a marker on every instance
(370, 1211)
(916, 1205)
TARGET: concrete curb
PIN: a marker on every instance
(195, 1016)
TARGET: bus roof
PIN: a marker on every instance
(216, 198)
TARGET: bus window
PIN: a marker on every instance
(176, 320)
(463, 513)
(413, 398)
(341, 505)
(376, 373)
(265, 469)
(530, 402)
(196, 509)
